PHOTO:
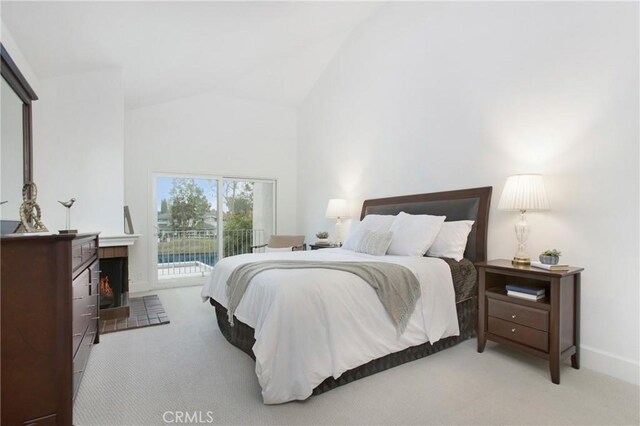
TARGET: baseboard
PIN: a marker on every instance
(612, 365)
(139, 286)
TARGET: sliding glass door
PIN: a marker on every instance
(201, 219)
(248, 214)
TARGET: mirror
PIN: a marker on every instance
(11, 155)
(15, 136)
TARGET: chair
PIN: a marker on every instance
(283, 243)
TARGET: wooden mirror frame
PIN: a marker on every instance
(14, 78)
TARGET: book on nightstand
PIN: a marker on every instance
(526, 296)
(558, 267)
(534, 291)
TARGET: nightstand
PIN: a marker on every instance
(323, 246)
(548, 328)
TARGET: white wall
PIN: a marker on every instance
(205, 135)
(11, 137)
(435, 96)
(78, 143)
(78, 147)
(16, 54)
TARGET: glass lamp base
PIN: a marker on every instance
(522, 261)
(522, 233)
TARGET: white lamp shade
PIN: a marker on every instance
(524, 192)
(336, 208)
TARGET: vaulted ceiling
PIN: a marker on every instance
(267, 51)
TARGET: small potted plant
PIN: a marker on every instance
(323, 237)
(550, 257)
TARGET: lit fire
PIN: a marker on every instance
(105, 288)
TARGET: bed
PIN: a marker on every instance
(306, 330)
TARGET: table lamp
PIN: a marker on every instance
(337, 209)
(522, 193)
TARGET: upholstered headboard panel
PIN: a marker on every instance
(464, 204)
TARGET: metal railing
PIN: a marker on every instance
(195, 252)
(241, 240)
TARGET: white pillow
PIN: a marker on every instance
(372, 222)
(374, 243)
(451, 240)
(414, 234)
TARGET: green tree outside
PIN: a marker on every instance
(238, 196)
(238, 220)
(164, 206)
(188, 205)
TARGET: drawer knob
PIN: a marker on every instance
(86, 315)
(514, 316)
(91, 306)
(77, 298)
(77, 334)
(513, 330)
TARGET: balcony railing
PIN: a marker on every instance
(194, 253)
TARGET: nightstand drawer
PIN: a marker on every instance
(519, 333)
(524, 315)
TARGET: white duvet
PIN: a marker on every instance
(314, 323)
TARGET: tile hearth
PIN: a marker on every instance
(144, 311)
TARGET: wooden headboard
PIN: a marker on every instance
(462, 204)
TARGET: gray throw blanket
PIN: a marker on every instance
(396, 286)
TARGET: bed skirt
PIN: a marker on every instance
(241, 336)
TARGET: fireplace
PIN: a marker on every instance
(114, 282)
(112, 277)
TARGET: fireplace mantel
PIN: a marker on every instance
(118, 240)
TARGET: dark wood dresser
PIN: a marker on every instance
(50, 308)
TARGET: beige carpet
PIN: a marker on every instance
(149, 376)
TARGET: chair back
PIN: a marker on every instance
(282, 241)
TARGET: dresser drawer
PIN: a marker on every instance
(86, 284)
(519, 333)
(77, 336)
(89, 250)
(76, 256)
(81, 284)
(523, 315)
(85, 310)
(82, 355)
(94, 277)
(82, 251)
(79, 328)
(80, 359)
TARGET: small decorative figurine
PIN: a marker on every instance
(68, 205)
(30, 214)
